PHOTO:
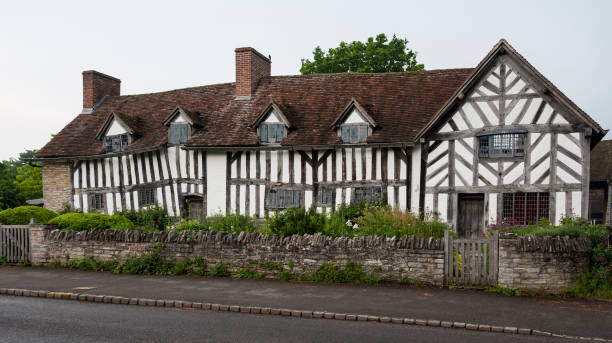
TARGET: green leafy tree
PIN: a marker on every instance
(376, 55)
(9, 194)
(29, 181)
(19, 180)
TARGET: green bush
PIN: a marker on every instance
(195, 266)
(90, 263)
(220, 270)
(295, 221)
(338, 220)
(149, 263)
(86, 221)
(149, 219)
(248, 273)
(351, 273)
(231, 223)
(387, 221)
(21, 215)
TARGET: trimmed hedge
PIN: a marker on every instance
(86, 221)
(21, 215)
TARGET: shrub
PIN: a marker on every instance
(295, 221)
(90, 263)
(220, 270)
(384, 220)
(149, 219)
(351, 273)
(149, 263)
(231, 223)
(248, 273)
(2, 261)
(195, 266)
(86, 221)
(338, 219)
(21, 215)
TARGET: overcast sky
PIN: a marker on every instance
(161, 45)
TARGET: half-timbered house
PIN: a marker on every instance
(474, 145)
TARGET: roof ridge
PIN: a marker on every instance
(214, 85)
(350, 73)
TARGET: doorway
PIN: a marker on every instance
(195, 208)
(470, 215)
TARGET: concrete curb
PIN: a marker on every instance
(108, 299)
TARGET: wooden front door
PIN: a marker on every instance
(470, 220)
(195, 206)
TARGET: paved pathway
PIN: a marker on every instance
(559, 315)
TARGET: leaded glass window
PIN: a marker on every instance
(372, 194)
(501, 145)
(115, 143)
(351, 133)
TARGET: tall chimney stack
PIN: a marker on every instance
(250, 67)
(96, 86)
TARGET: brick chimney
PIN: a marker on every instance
(97, 85)
(250, 67)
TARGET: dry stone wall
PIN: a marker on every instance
(409, 257)
(542, 264)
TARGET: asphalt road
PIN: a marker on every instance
(46, 320)
(570, 316)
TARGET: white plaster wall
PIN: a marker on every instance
(416, 176)
(492, 208)
(577, 203)
(115, 128)
(428, 202)
(560, 207)
(443, 207)
(354, 117)
(215, 182)
(272, 118)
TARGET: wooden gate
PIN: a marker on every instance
(15, 244)
(471, 261)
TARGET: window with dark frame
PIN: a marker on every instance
(281, 199)
(509, 144)
(178, 133)
(371, 194)
(326, 195)
(96, 201)
(351, 133)
(146, 196)
(271, 133)
(115, 143)
(525, 208)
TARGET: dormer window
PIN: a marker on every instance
(178, 133)
(117, 132)
(115, 143)
(271, 133)
(180, 123)
(354, 125)
(272, 125)
(354, 133)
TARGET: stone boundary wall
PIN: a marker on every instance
(409, 257)
(542, 264)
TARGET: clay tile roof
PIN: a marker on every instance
(400, 104)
